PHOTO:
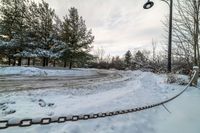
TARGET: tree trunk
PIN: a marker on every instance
(195, 53)
(29, 61)
(14, 61)
(47, 61)
(197, 32)
(70, 64)
(33, 61)
(198, 54)
(44, 61)
(19, 61)
(54, 63)
(195, 44)
(65, 64)
(9, 61)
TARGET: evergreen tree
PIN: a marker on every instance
(13, 27)
(45, 32)
(140, 58)
(21, 29)
(30, 30)
(128, 58)
(32, 40)
(59, 46)
(76, 36)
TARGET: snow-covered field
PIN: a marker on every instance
(94, 91)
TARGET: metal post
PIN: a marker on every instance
(170, 36)
(148, 5)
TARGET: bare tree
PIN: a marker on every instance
(154, 46)
(186, 31)
(99, 53)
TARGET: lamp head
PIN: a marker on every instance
(148, 5)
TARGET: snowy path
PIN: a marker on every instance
(107, 93)
(21, 83)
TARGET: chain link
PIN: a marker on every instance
(45, 121)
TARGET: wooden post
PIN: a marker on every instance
(195, 80)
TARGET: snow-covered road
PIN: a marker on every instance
(27, 82)
(115, 90)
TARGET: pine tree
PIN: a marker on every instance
(76, 36)
(29, 30)
(128, 58)
(45, 31)
(21, 29)
(32, 41)
(13, 27)
(140, 58)
(43, 34)
(59, 46)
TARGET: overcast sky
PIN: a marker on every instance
(118, 25)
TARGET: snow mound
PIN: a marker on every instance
(29, 71)
(32, 71)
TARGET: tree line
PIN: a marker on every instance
(32, 31)
(147, 60)
(185, 43)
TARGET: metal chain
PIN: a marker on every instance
(44, 121)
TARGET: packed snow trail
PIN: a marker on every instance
(136, 89)
(30, 78)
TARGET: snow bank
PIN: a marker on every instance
(29, 71)
(141, 89)
(32, 71)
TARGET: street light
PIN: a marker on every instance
(150, 4)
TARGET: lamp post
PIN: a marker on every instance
(150, 4)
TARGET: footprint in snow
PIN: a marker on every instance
(5, 108)
(42, 103)
(51, 104)
(9, 111)
(9, 102)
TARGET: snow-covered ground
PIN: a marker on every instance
(185, 116)
(115, 90)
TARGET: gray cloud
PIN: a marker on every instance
(118, 25)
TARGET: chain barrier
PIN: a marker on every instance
(44, 121)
